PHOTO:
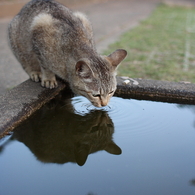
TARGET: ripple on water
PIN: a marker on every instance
(130, 116)
(82, 106)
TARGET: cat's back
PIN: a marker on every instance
(50, 17)
(50, 7)
(39, 13)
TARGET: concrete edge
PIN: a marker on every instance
(18, 104)
(155, 90)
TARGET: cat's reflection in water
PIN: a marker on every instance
(58, 135)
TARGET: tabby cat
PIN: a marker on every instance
(50, 40)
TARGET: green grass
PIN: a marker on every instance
(161, 47)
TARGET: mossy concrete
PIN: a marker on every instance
(18, 104)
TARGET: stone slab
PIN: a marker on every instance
(21, 102)
(155, 90)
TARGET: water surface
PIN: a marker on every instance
(129, 147)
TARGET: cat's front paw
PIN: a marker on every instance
(35, 76)
(52, 83)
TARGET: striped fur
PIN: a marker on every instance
(48, 39)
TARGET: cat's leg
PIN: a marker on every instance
(35, 76)
(38, 73)
(48, 79)
(22, 51)
(30, 65)
(46, 43)
(32, 68)
(28, 61)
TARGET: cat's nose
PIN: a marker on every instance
(104, 102)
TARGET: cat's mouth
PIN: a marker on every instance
(100, 102)
(96, 100)
(98, 105)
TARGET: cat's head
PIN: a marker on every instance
(96, 77)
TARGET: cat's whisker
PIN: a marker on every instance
(109, 107)
(88, 107)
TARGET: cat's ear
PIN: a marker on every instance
(117, 56)
(112, 148)
(81, 153)
(83, 70)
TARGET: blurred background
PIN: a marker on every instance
(118, 22)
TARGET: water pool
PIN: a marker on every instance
(129, 147)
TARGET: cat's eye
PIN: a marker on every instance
(111, 92)
(96, 95)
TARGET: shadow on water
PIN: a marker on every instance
(56, 134)
(192, 108)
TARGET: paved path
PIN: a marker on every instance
(110, 19)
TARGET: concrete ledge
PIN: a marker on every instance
(164, 91)
(19, 103)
